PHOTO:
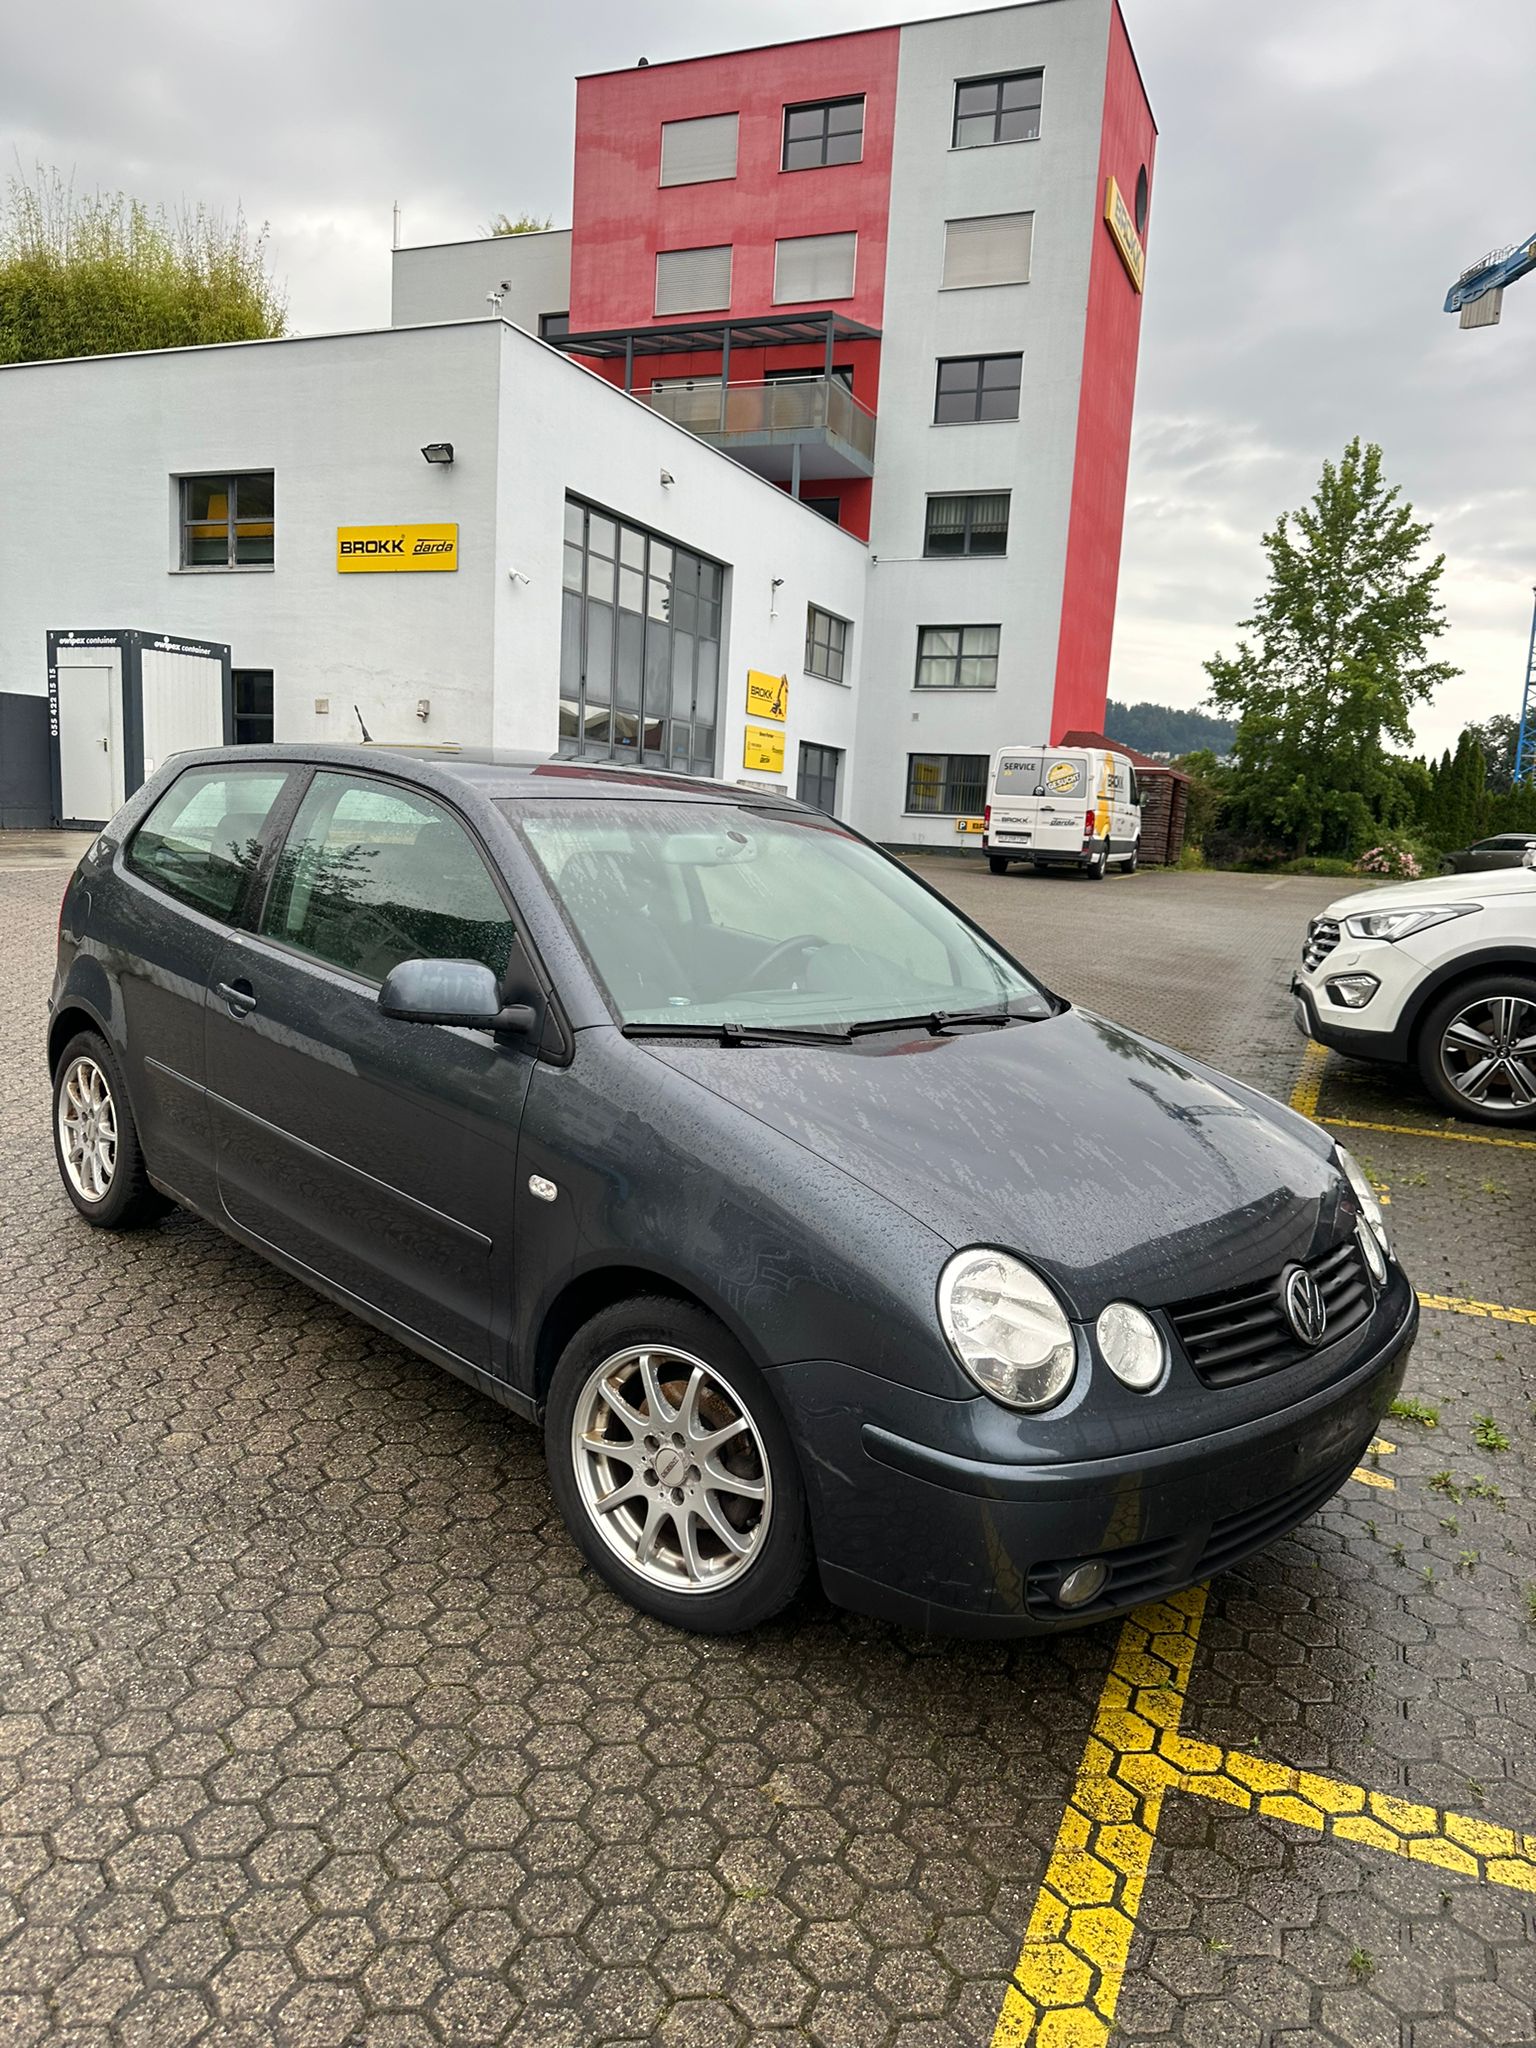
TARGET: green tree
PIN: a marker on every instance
(1339, 658)
(1497, 737)
(94, 276)
(525, 224)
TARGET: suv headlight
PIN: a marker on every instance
(1365, 1195)
(1007, 1328)
(1402, 924)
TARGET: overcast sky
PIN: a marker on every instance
(1325, 169)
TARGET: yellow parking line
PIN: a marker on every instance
(1346, 1123)
(1369, 1478)
(1310, 1080)
(1493, 1311)
(1066, 1984)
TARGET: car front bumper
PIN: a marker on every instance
(916, 1534)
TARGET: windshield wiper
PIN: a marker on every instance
(936, 1021)
(740, 1034)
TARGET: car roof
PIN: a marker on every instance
(500, 772)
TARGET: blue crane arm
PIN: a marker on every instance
(1489, 276)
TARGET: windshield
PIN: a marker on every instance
(709, 914)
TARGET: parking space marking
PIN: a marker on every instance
(1310, 1080)
(1348, 1123)
(1066, 1984)
(1369, 1478)
(1493, 1311)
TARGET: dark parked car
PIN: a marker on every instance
(682, 1120)
(1503, 850)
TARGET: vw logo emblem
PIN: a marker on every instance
(1305, 1309)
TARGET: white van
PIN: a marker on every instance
(1077, 807)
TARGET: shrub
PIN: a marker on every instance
(1394, 858)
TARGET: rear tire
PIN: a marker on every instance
(1497, 1012)
(96, 1142)
(673, 1469)
(1097, 862)
(997, 863)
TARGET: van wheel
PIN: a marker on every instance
(95, 1140)
(671, 1465)
(1098, 862)
(997, 863)
(1135, 860)
(1477, 1049)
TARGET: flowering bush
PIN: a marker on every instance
(1391, 859)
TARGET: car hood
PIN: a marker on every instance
(1116, 1166)
(1491, 883)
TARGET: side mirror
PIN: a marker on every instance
(451, 992)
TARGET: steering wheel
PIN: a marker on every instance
(786, 949)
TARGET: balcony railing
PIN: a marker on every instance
(777, 411)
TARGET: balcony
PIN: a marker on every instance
(787, 428)
(794, 428)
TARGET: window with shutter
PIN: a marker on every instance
(813, 267)
(693, 280)
(698, 152)
(992, 248)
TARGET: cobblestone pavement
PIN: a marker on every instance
(314, 1730)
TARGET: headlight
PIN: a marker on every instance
(1402, 924)
(1365, 1195)
(1132, 1345)
(1006, 1328)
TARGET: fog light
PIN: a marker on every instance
(1084, 1582)
(1354, 991)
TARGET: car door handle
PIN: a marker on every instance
(239, 995)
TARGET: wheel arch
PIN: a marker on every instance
(587, 1294)
(1464, 968)
(72, 1018)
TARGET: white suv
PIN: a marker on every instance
(1438, 974)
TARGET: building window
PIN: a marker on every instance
(639, 645)
(991, 248)
(1143, 197)
(824, 132)
(957, 657)
(975, 524)
(1001, 109)
(946, 785)
(829, 508)
(978, 388)
(817, 780)
(226, 521)
(698, 152)
(810, 267)
(253, 707)
(551, 325)
(826, 643)
(693, 280)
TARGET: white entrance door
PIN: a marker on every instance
(90, 780)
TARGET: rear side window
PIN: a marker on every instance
(200, 842)
(372, 875)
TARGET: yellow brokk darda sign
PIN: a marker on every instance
(372, 549)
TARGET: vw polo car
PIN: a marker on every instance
(814, 1231)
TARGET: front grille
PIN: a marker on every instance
(1322, 937)
(1234, 1537)
(1244, 1333)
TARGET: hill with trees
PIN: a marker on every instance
(1161, 729)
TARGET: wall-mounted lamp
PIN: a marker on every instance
(438, 451)
(667, 477)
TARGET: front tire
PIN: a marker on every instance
(1135, 860)
(1477, 1049)
(673, 1470)
(96, 1142)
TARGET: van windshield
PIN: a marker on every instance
(702, 915)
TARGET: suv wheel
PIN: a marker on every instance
(95, 1140)
(1477, 1049)
(673, 1470)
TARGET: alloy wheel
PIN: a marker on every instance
(671, 1468)
(1488, 1051)
(87, 1130)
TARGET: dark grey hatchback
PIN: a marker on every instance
(683, 1120)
